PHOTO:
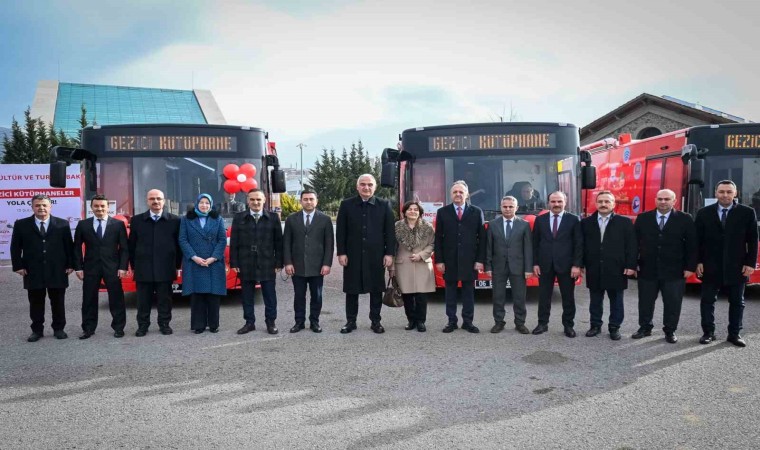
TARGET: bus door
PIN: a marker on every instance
(661, 173)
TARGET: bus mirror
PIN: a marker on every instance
(585, 157)
(697, 172)
(389, 155)
(388, 175)
(588, 177)
(58, 174)
(278, 181)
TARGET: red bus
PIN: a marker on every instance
(123, 162)
(689, 162)
(495, 159)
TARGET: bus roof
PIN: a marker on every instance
(172, 125)
(490, 125)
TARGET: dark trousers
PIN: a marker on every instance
(735, 306)
(299, 301)
(415, 307)
(375, 305)
(204, 311)
(672, 297)
(501, 294)
(269, 294)
(566, 290)
(37, 308)
(90, 288)
(163, 292)
(596, 308)
(468, 301)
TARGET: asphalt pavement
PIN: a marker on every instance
(401, 389)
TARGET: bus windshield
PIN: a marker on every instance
(125, 181)
(744, 170)
(529, 178)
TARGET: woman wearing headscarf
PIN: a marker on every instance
(413, 267)
(203, 238)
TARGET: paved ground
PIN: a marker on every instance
(403, 389)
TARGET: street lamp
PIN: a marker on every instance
(301, 146)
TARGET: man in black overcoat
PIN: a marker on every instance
(365, 238)
(43, 253)
(155, 256)
(609, 258)
(105, 257)
(460, 252)
(727, 235)
(308, 245)
(256, 255)
(667, 246)
(557, 253)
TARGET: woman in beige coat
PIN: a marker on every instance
(413, 268)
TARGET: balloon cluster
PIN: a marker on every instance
(239, 178)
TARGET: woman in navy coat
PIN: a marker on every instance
(203, 238)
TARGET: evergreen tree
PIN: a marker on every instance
(32, 143)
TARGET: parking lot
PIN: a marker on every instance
(402, 389)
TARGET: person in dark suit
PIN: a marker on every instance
(203, 239)
(557, 253)
(43, 253)
(366, 243)
(509, 257)
(256, 255)
(155, 256)
(460, 251)
(609, 258)
(308, 244)
(667, 248)
(105, 258)
(727, 236)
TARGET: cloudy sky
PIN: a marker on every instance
(328, 73)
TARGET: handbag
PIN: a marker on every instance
(392, 296)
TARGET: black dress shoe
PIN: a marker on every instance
(671, 338)
(297, 327)
(315, 327)
(451, 326)
(60, 334)
(736, 340)
(377, 328)
(421, 327)
(569, 332)
(86, 335)
(470, 328)
(540, 328)
(141, 332)
(118, 334)
(199, 331)
(214, 330)
(498, 327)
(271, 329)
(593, 331)
(348, 327)
(707, 338)
(411, 325)
(615, 335)
(34, 337)
(641, 333)
(247, 328)
(522, 329)
(166, 330)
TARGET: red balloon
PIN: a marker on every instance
(247, 185)
(231, 186)
(230, 171)
(248, 169)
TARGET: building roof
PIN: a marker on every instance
(704, 114)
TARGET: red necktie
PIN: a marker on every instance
(554, 227)
(459, 212)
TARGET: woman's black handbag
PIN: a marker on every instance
(392, 296)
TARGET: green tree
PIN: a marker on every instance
(32, 143)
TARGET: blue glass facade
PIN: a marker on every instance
(115, 105)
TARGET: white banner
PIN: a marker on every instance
(20, 182)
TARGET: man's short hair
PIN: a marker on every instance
(605, 193)
(557, 192)
(461, 182)
(510, 198)
(98, 197)
(725, 182)
(254, 190)
(42, 197)
(309, 191)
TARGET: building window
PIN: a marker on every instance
(648, 132)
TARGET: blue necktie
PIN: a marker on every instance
(100, 228)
